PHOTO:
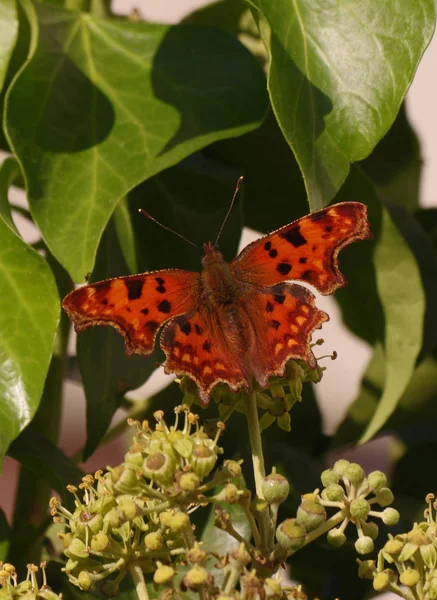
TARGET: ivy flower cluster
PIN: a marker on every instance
(354, 496)
(407, 564)
(29, 589)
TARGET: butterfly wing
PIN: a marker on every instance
(137, 306)
(306, 250)
(197, 345)
(283, 320)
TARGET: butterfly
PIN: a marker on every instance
(233, 321)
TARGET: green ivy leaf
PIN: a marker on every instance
(415, 413)
(103, 104)
(385, 296)
(29, 315)
(45, 460)
(8, 34)
(339, 72)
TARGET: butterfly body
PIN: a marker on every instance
(234, 321)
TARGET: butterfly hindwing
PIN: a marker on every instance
(305, 250)
(195, 346)
(283, 319)
(137, 306)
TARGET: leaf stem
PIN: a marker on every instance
(138, 578)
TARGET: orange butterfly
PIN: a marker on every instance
(235, 321)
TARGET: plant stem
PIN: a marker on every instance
(138, 578)
(259, 471)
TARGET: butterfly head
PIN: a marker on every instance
(211, 253)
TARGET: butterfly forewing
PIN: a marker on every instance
(137, 305)
(306, 250)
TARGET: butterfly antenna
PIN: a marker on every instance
(148, 216)
(237, 187)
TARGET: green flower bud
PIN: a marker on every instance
(291, 535)
(410, 577)
(112, 519)
(390, 516)
(384, 496)
(99, 542)
(202, 460)
(340, 467)
(127, 508)
(355, 473)
(163, 574)
(429, 555)
(196, 555)
(359, 509)
(310, 513)
(84, 580)
(366, 569)
(393, 547)
(135, 456)
(77, 549)
(333, 493)
(377, 480)
(124, 480)
(159, 468)
(240, 555)
(371, 529)
(189, 482)
(407, 552)
(66, 539)
(336, 538)
(178, 522)
(93, 521)
(196, 578)
(381, 581)
(328, 477)
(275, 488)
(233, 467)
(153, 541)
(364, 545)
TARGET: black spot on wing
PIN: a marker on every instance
(294, 236)
(102, 286)
(275, 324)
(267, 245)
(134, 288)
(207, 346)
(318, 216)
(279, 298)
(186, 328)
(269, 306)
(198, 329)
(159, 280)
(283, 268)
(145, 311)
(303, 260)
(161, 289)
(307, 275)
(273, 253)
(152, 325)
(164, 306)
